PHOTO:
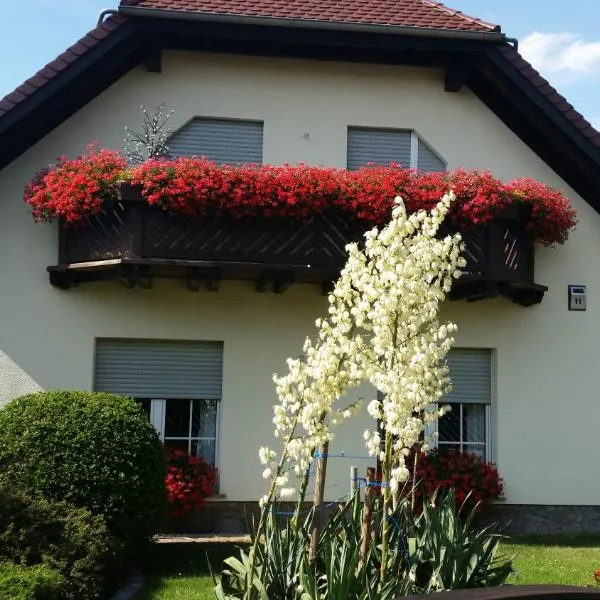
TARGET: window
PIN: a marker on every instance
(177, 383)
(383, 146)
(187, 424)
(466, 427)
(229, 141)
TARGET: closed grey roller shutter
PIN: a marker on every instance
(159, 369)
(471, 374)
(380, 146)
(429, 160)
(220, 140)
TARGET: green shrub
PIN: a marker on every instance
(65, 538)
(18, 582)
(94, 450)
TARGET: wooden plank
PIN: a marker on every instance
(516, 592)
(153, 60)
(94, 264)
(457, 75)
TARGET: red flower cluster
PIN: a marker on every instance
(196, 187)
(73, 189)
(597, 576)
(472, 479)
(189, 481)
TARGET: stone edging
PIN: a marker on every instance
(131, 587)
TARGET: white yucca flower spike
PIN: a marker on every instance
(382, 326)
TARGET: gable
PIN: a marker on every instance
(490, 67)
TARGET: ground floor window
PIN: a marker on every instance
(177, 383)
(465, 428)
(468, 425)
(190, 425)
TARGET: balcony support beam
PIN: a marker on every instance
(211, 278)
(283, 281)
(131, 275)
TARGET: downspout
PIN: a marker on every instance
(136, 11)
(108, 12)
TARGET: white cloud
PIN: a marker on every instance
(561, 53)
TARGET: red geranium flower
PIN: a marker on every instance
(74, 189)
(189, 481)
(474, 481)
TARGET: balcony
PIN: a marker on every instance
(135, 243)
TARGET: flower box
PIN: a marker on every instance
(192, 218)
(131, 229)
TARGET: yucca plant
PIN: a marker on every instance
(449, 552)
(281, 559)
(339, 570)
(431, 548)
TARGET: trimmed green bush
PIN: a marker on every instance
(94, 450)
(18, 582)
(62, 537)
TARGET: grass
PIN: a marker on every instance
(565, 560)
(181, 571)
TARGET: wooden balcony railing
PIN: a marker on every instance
(135, 243)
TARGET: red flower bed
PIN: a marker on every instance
(189, 481)
(472, 478)
(73, 189)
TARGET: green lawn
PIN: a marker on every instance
(180, 571)
(567, 560)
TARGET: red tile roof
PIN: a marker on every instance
(550, 93)
(407, 13)
(52, 69)
(424, 14)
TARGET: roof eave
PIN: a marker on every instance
(152, 13)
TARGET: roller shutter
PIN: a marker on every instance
(227, 141)
(159, 369)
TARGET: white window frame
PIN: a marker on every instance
(414, 149)
(434, 442)
(158, 414)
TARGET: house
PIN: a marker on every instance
(196, 335)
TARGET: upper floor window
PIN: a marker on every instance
(384, 146)
(229, 141)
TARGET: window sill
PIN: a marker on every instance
(216, 498)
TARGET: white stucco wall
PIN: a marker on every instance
(546, 374)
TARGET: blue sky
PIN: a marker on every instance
(561, 39)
